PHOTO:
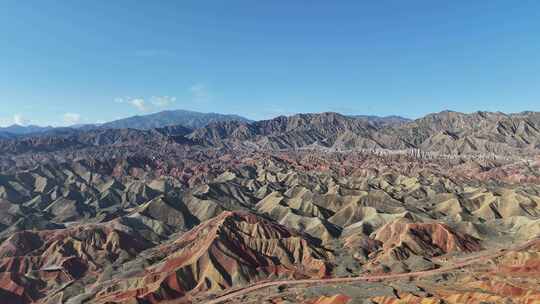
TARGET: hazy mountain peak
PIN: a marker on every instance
(186, 118)
(17, 129)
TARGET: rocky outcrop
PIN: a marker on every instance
(403, 238)
(232, 249)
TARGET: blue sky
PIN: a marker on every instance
(64, 62)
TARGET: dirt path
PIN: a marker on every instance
(239, 292)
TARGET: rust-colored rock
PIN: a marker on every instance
(232, 249)
(402, 238)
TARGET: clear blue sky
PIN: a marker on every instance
(80, 61)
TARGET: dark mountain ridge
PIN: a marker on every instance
(189, 119)
(446, 132)
(16, 129)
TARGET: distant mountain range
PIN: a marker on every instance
(188, 119)
(22, 130)
(447, 132)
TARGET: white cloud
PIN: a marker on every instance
(138, 103)
(200, 92)
(162, 101)
(18, 119)
(72, 118)
(5, 121)
(146, 105)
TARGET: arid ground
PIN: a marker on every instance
(311, 208)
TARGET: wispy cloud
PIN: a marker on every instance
(18, 119)
(71, 118)
(162, 101)
(200, 92)
(5, 121)
(145, 105)
(138, 103)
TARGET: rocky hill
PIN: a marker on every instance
(445, 132)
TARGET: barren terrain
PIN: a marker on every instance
(312, 208)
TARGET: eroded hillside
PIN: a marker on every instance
(237, 211)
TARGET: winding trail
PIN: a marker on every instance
(459, 264)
